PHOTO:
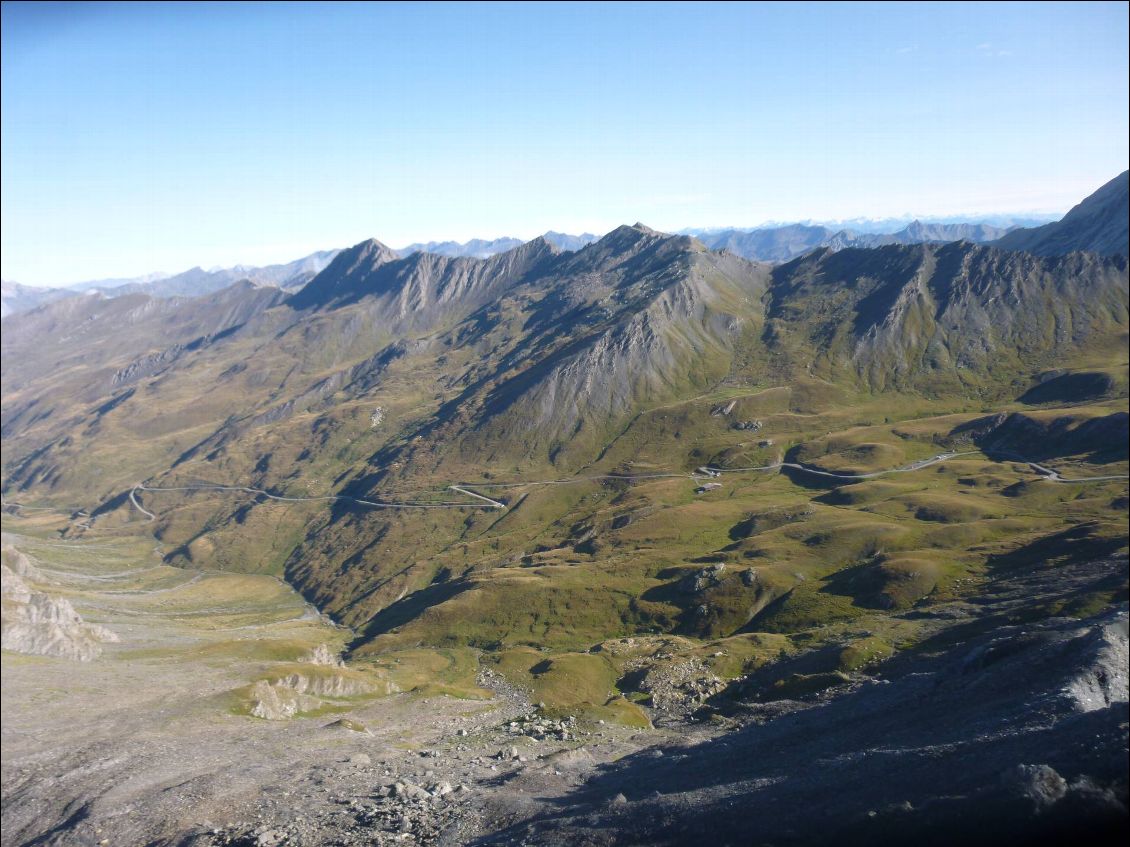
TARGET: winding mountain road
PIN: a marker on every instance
(259, 492)
(849, 477)
(707, 472)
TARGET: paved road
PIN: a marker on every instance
(711, 470)
(139, 507)
(1053, 476)
(703, 472)
(853, 477)
(1047, 473)
(259, 492)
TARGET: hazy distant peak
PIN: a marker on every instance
(481, 248)
(22, 298)
(572, 243)
(477, 248)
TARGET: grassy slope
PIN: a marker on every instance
(807, 562)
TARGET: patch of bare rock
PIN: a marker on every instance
(39, 623)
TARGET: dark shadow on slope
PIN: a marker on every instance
(1069, 388)
(1077, 544)
(949, 751)
(114, 402)
(1017, 436)
(408, 609)
(110, 505)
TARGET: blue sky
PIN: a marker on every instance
(149, 137)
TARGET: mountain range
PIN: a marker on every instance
(196, 281)
(193, 282)
(481, 249)
(23, 298)
(644, 481)
(535, 359)
(764, 244)
(780, 244)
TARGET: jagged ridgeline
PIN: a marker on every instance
(387, 378)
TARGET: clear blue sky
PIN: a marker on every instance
(154, 137)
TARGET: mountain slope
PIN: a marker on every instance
(117, 372)
(581, 389)
(956, 317)
(660, 317)
(1099, 224)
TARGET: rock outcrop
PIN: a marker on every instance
(34, 622)
(322, 655)
(326, 685)
(279, 702)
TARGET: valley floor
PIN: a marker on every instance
(146, 743)
(150, 743)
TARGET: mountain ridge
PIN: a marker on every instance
(1100, 223)
(780, 243)
(387, 378)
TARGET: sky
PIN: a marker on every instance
(155, 137)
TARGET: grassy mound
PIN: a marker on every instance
(579, 684)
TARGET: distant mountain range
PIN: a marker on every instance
(1085, 225)
(478, 248)
(194, 282)
(781, 244)
(881, 226)
(197, 281)
(23, 298)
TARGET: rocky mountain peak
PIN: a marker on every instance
(345, 277)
